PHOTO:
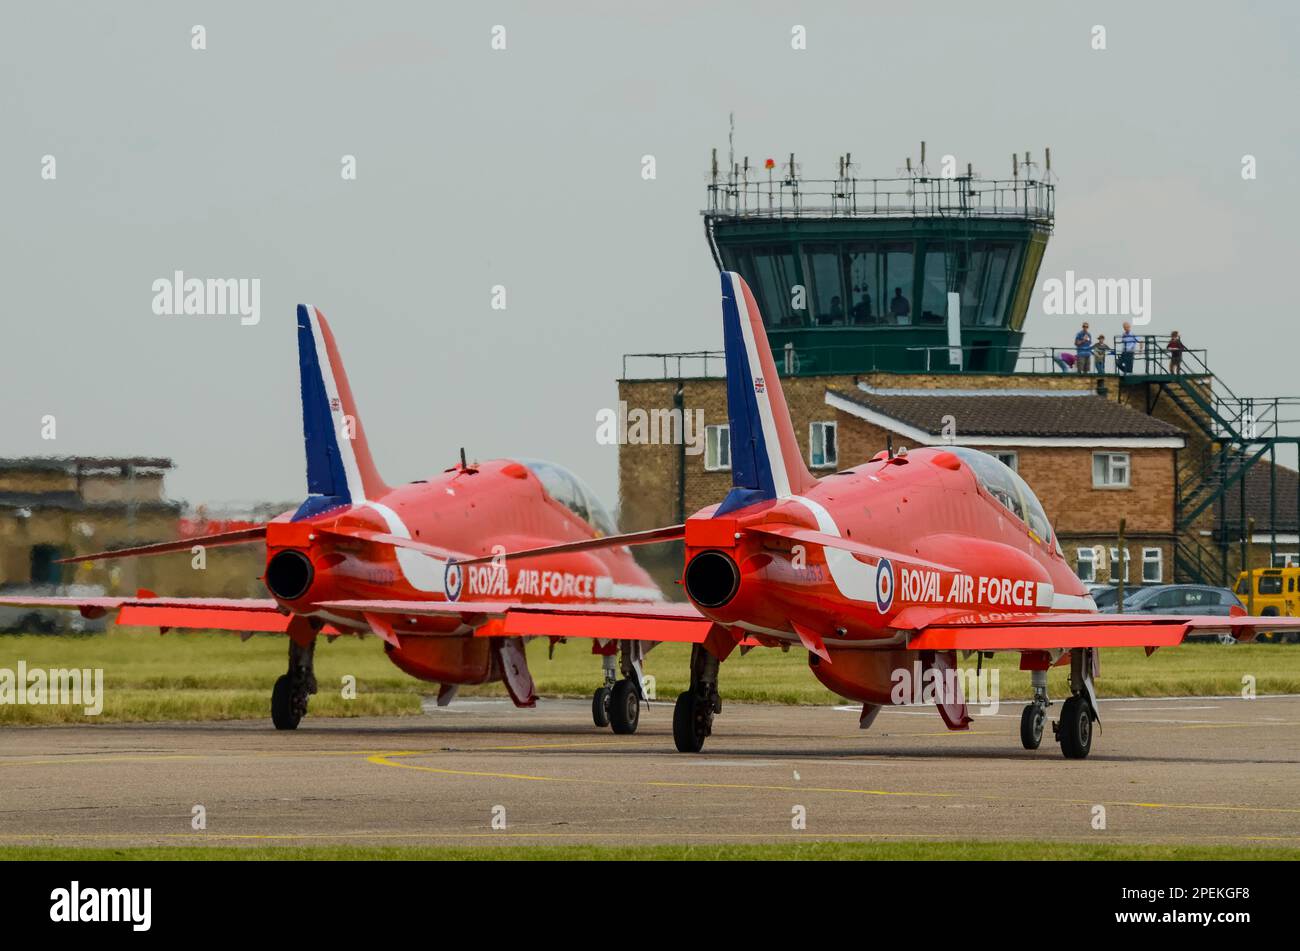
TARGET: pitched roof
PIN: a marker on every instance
(1258, 483)
(1066, 414)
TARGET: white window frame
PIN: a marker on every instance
(1003, 456)
(1286, 559)
(1108, 480)
(1114, 557)
(713, 448)
(823, 425)
(1090, 561)
(1153, 556)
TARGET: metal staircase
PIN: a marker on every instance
(1235, 434)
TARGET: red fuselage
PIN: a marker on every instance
(953, 549)
(465, 513)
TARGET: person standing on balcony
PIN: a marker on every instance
(1083, 349)
(1099, 351)
(1128, 345)
(1175, 348)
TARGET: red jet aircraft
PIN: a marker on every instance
(360, 557)
(882, 572)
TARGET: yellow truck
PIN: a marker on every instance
(1270, 592)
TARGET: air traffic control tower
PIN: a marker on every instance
(896, 310)
(854, 275)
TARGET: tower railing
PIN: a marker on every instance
(766, 195)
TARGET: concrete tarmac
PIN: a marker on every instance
(1186, 770)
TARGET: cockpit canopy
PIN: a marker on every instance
(574, 494)
(1004, 484)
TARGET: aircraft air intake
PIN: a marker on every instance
(712, 579)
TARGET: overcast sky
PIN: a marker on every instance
(522, 167)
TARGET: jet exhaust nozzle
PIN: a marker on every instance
(712, 579)
(289, 574)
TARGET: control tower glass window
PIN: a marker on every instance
(988, 313)
(899, 306)
(988, 282)
(822, 270)
(775, 271)
(1008, 285)
(934, 287)
(864, 283)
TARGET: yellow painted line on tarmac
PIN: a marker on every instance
(106, 758)
(391, 759)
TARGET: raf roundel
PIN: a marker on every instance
(453, 579)
(884, 585)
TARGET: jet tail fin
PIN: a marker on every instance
(765, 458)
(340, 470)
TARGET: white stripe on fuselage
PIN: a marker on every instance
(857, 581)
(428, 573)
(771, 437)
(350, 471)
(607, 589)
(423, 572)
(854, 579)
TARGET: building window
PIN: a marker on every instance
(1153, 569)
(1110, 470)
(717, 448)
(1009, 459)
(1114, 562)
(823, 448)
(1086, 564)
(1286, 559)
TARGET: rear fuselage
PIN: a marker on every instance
(465, 512)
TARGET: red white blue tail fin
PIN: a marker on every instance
(765, 458)
(340, 470)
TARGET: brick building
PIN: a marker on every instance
(51, 508)
(1091, 459)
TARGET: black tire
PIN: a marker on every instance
(284, 714)
(688, 732)
(624, 707)
(1076, 728)
(600, 707)
(1031, 726)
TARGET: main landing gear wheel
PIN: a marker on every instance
(284, 712)
(1031, 725)
(689, 729)
(293, 689)
(600, 706)
(1075, 728)
(624, 707)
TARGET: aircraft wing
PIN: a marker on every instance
(660, 621)
(646, 621)
(260, 615)
(1061, 630)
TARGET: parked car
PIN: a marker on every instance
(1182, 599)
(1105, 595)
(1275, 590)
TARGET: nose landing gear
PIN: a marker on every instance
(618, 703)
(1034, 716)
(1074, 729)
